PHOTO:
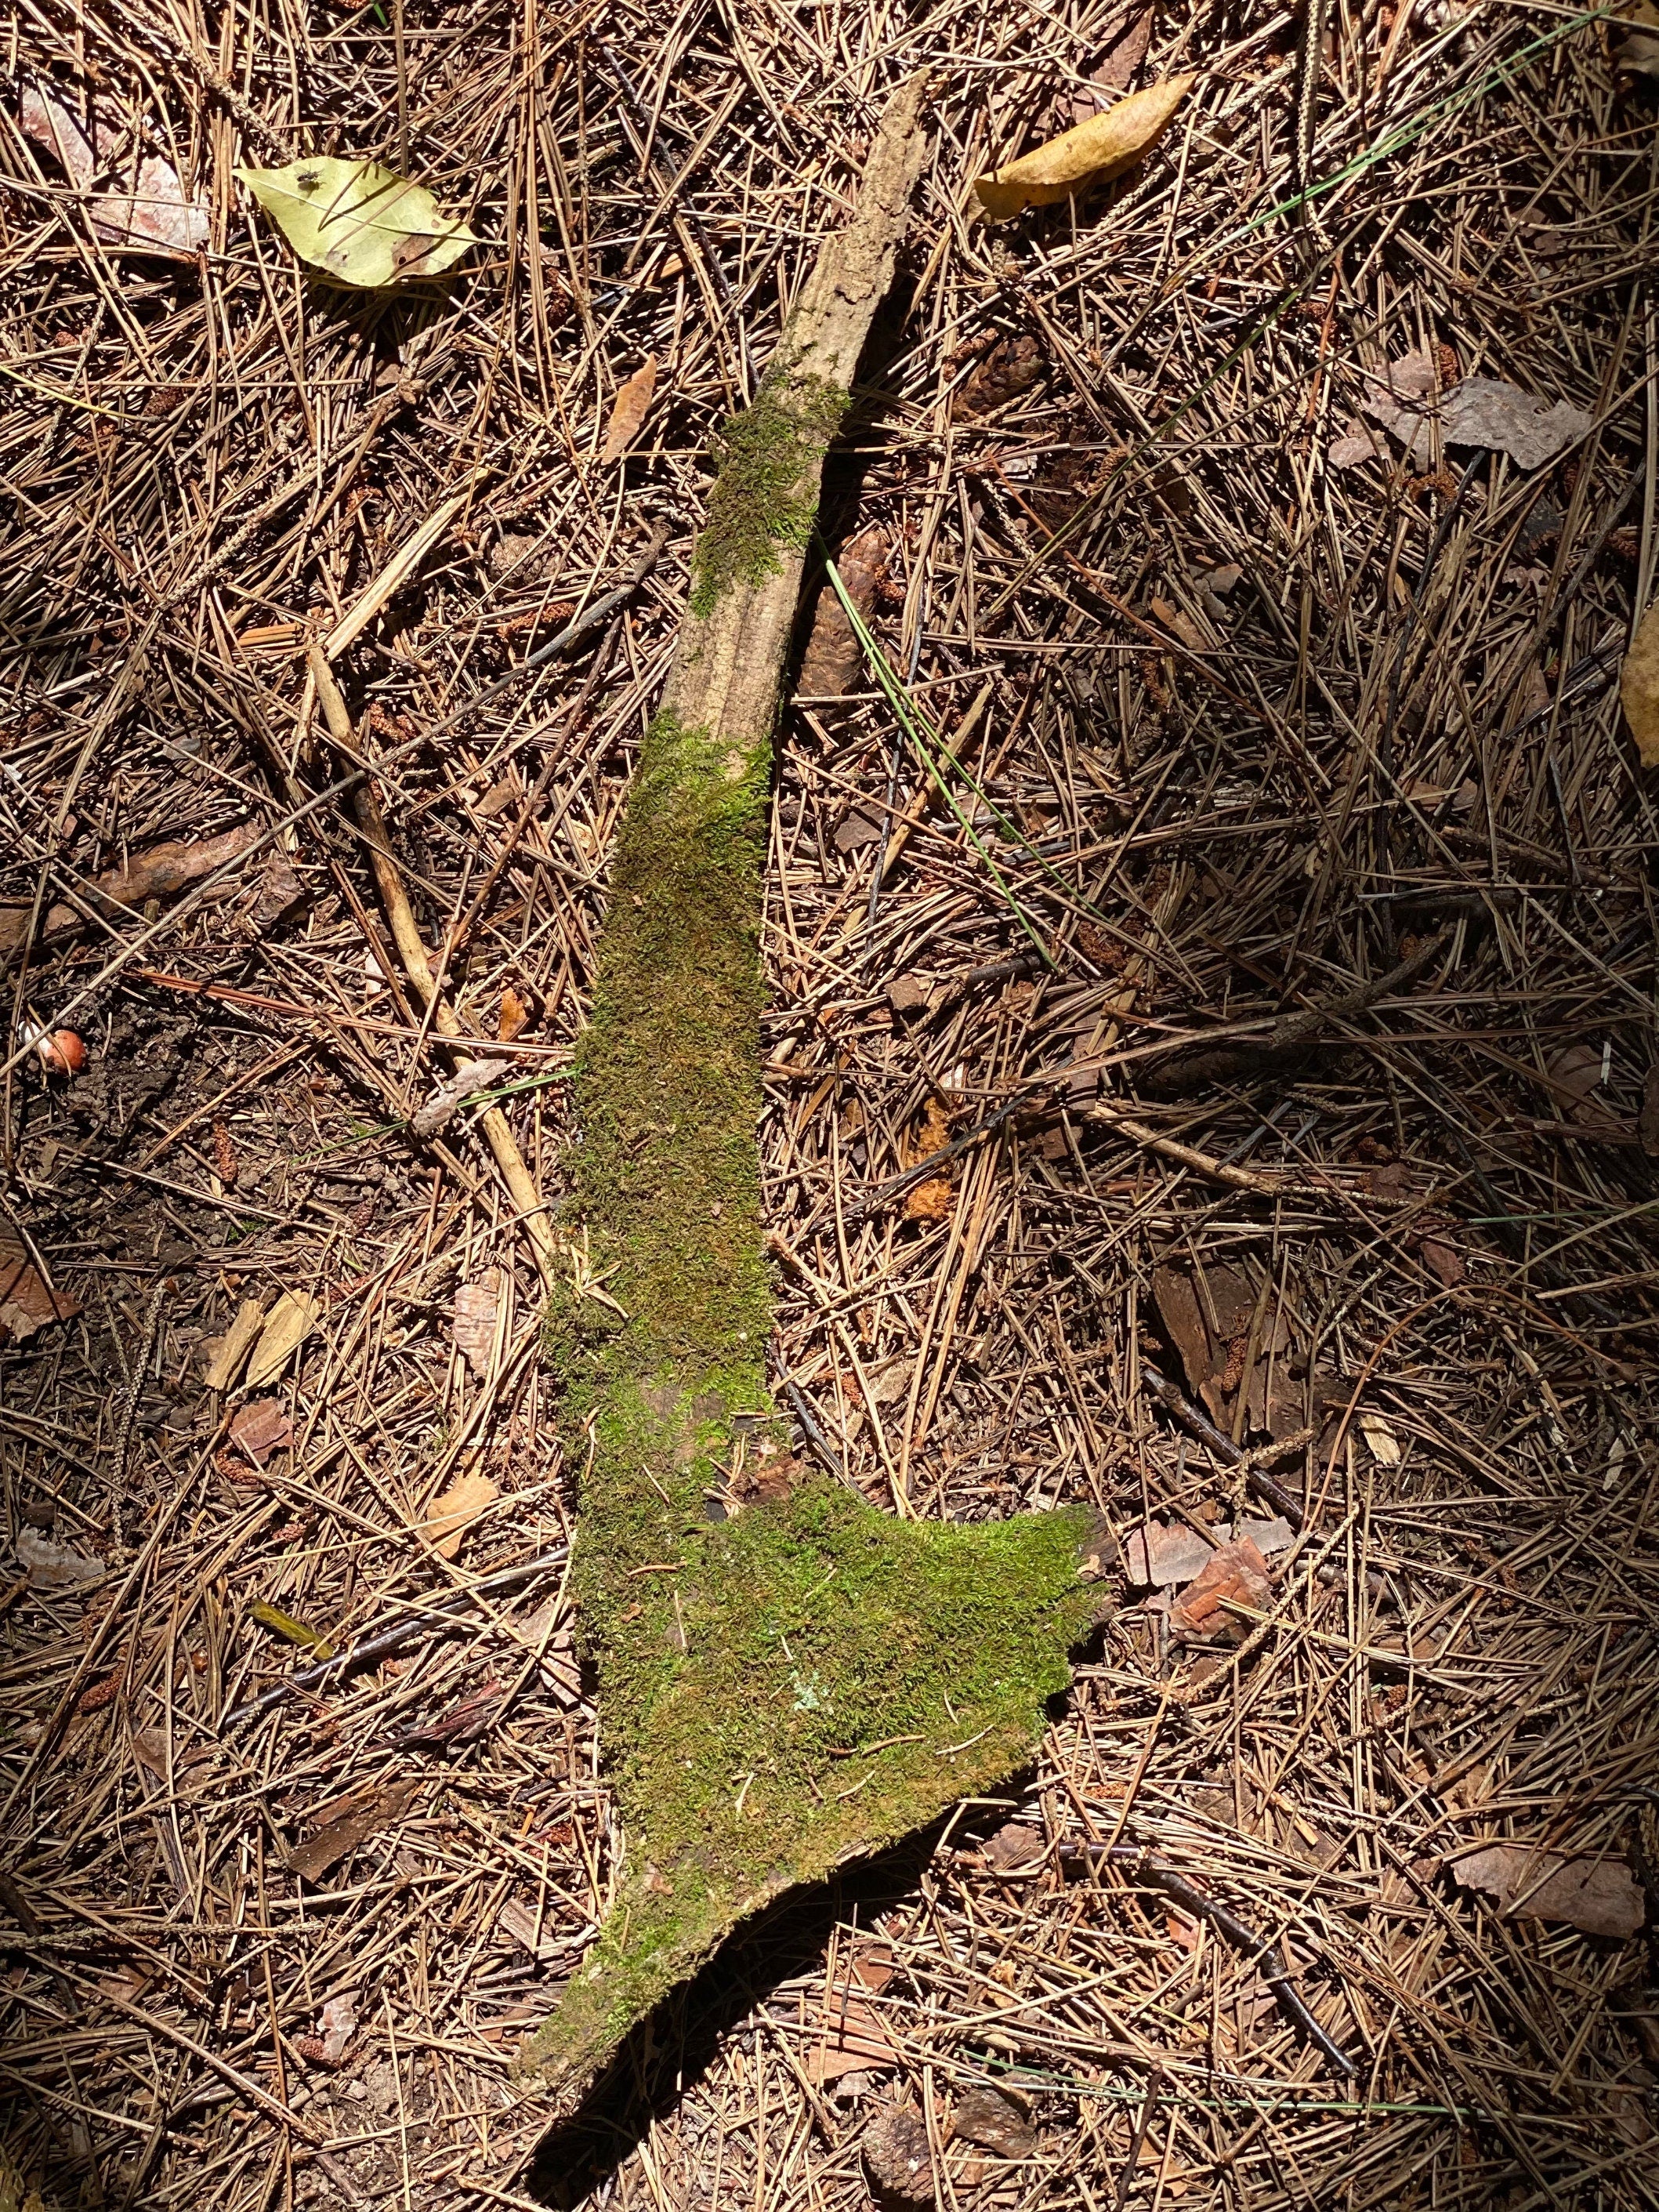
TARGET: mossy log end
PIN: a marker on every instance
(786, 1678)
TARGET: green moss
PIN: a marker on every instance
(805, 1681)
(668, 1080)
(807, 1678)
(765, 496)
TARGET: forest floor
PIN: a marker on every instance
(1236, 693)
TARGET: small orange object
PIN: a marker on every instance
(62, 1052)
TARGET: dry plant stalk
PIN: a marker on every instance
(787, 1678)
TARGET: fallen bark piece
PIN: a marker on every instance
(806, 1680)
(352, 1823)
(1594, 1894)
(1235, 1572)
(833, 662)
(118, 892)
(477, 1306)
(286, 1326)
(228, 1351)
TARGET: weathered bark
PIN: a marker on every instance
(786, 1678)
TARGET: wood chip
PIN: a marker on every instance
(286, 1326)
(229, 1351)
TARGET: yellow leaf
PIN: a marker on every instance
(297, 1631)
(628, 410)
(451, 1516)
(363, 224)
(288, 1324)
(1638, 688)
(1092, 154)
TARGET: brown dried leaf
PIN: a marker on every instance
(52, 1566)
(1483, 410)
(1085, 157)
(1575, 1073)
(628, 411)
(154, 217)
(1124, 53)
(1013, 1845)
(229, 1351)
(1596, 1895)
(833, 662)
(1236, 1572)
(281, 894)
(26, 1302)
(353, 1824)
(514, 1015)
(260, 1428)
(1638, 688)
(286, 1326)
(1183, 1316)
(477, 1306)
(453, 1514)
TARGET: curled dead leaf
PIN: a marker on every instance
(453, 1514)
(628, 410)
(1085, 157)
(929, 1200)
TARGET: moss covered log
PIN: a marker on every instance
(786, 1677)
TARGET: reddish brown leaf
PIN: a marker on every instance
(26, 1302)
(1123, 54)
(514, 1016)
(628, 411)
(260, 1428)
